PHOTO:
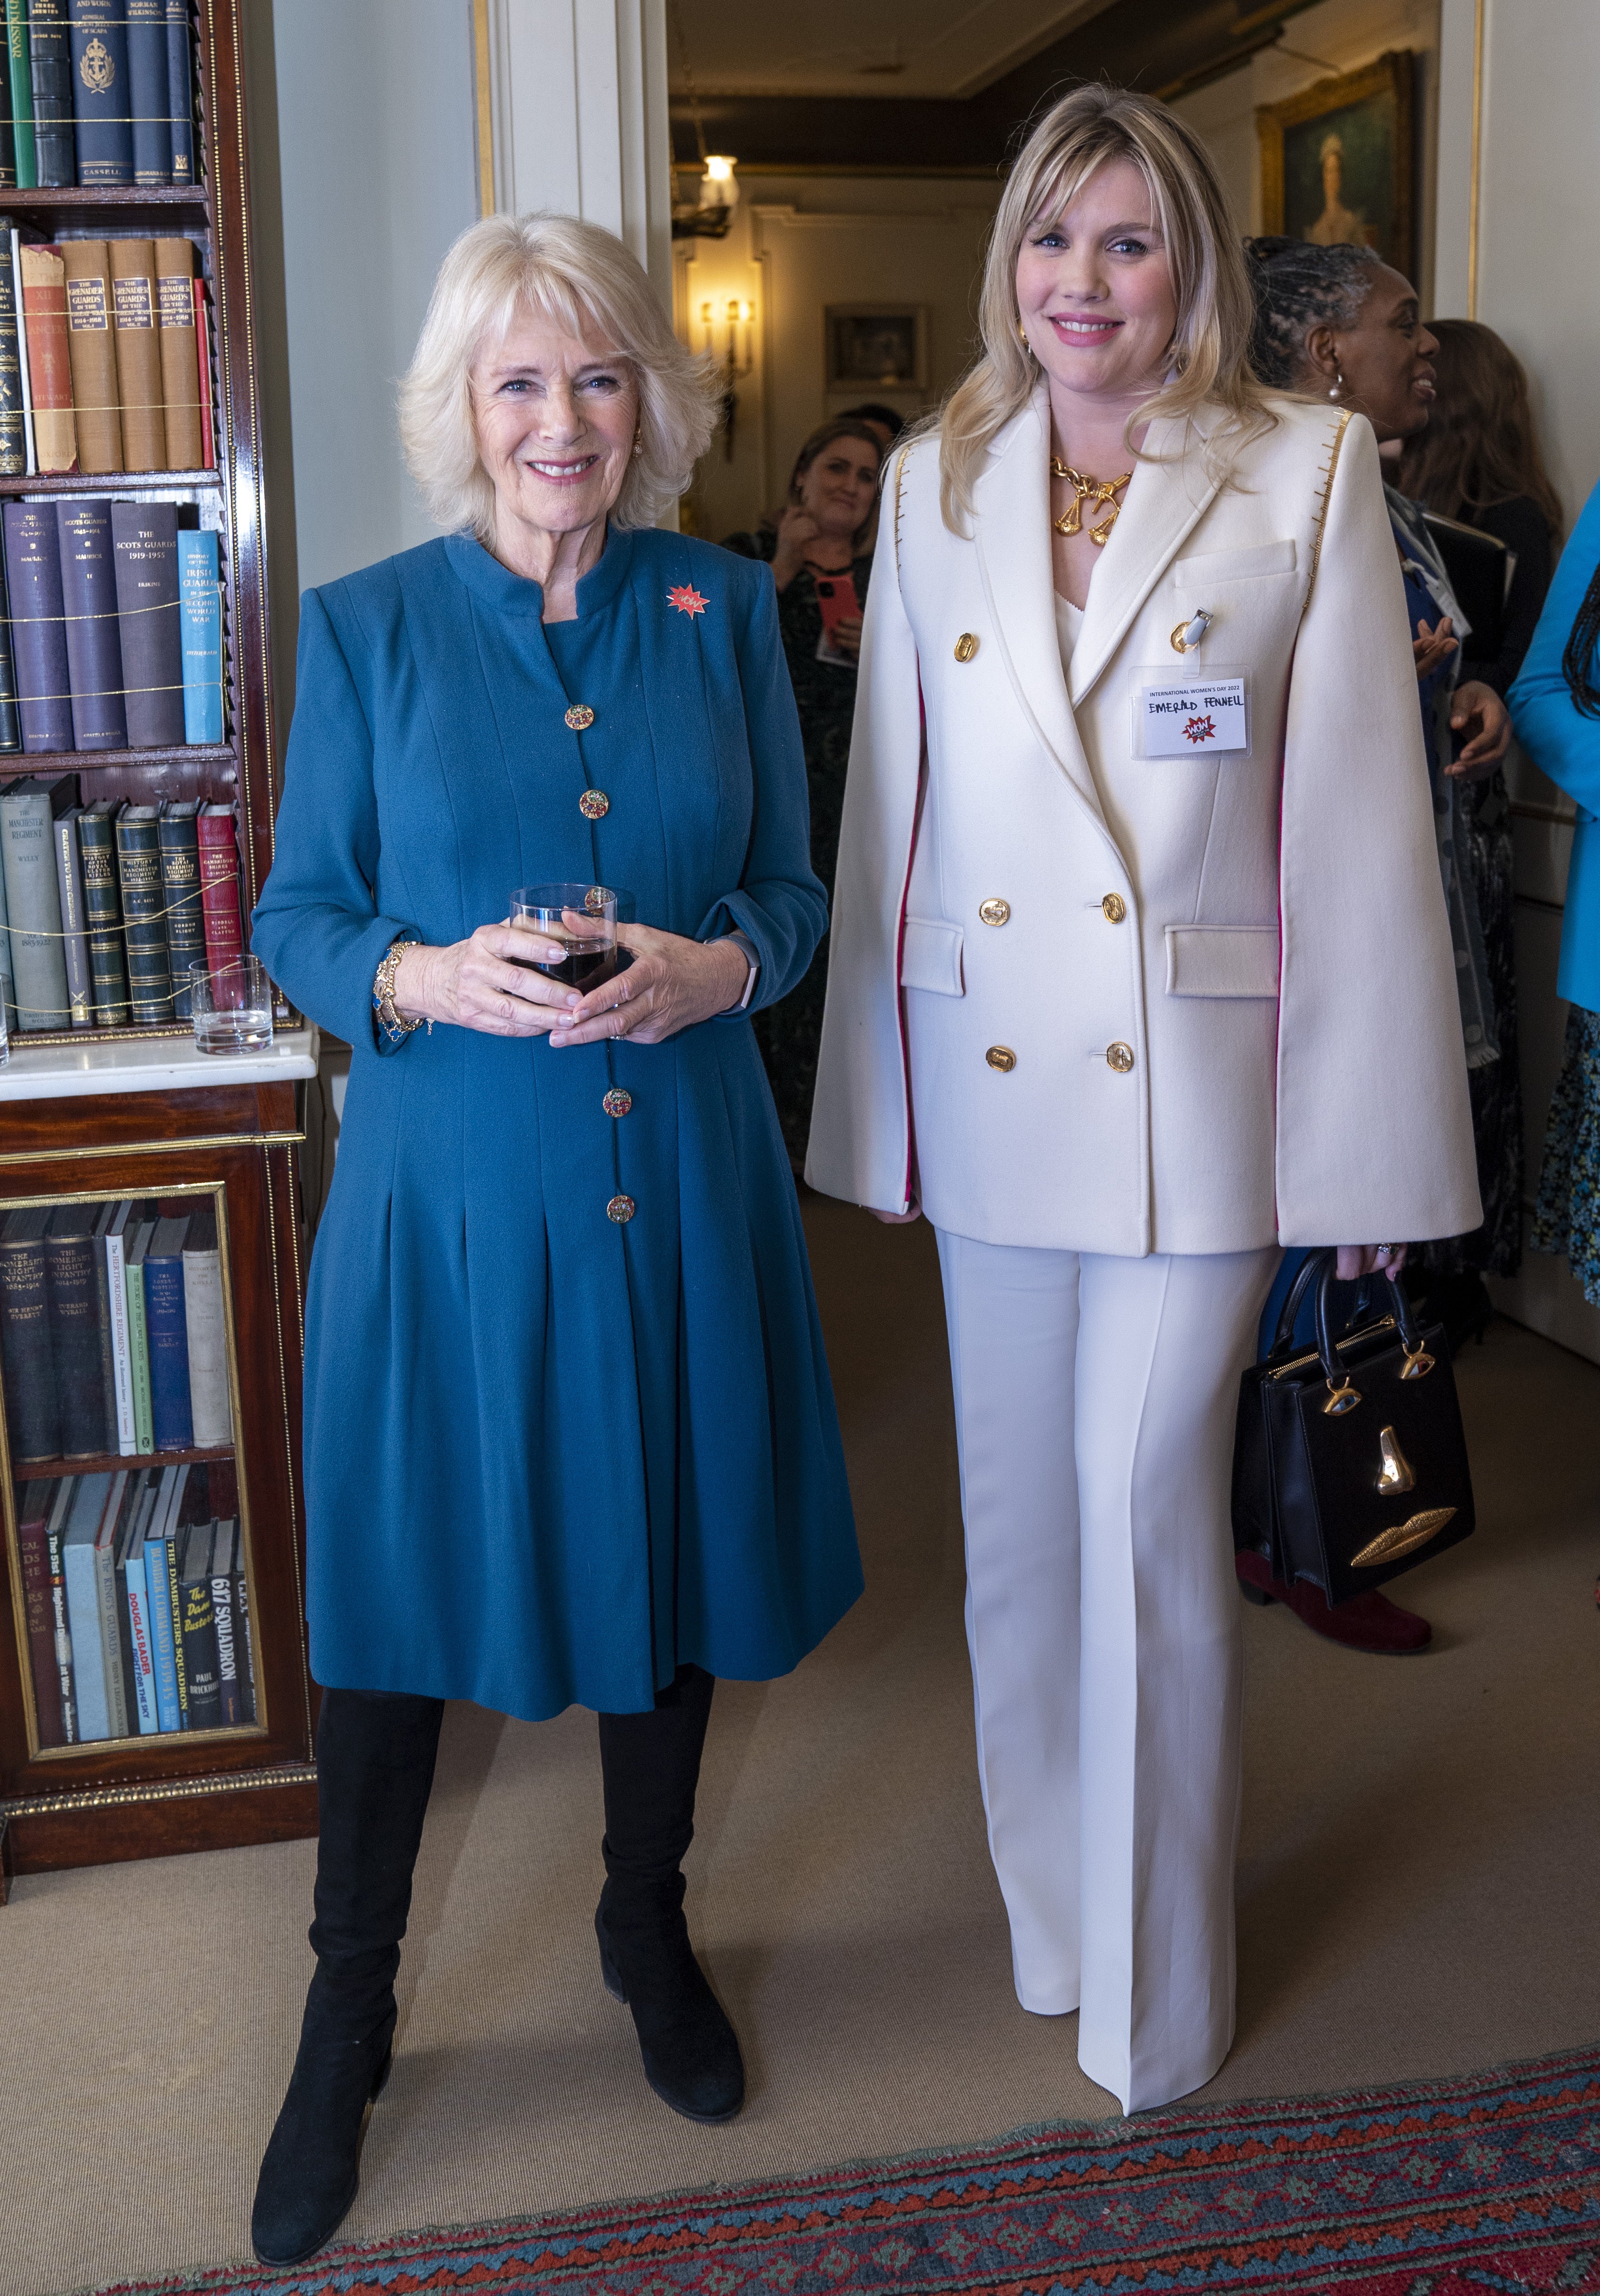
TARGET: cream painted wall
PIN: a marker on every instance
(1339, 35)
(798, 243)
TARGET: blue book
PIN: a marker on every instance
(158, 1545)
(199, 621)
(180, 91)
(83, 1604)
(134, 1600)
(168, 1330)
(100, 90)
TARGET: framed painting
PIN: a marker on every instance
(876, 346)
(1337, 161)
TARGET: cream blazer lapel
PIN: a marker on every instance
(1012, 527)
(1169, 492)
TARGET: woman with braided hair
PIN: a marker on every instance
(1338, 324)
(1557, 706)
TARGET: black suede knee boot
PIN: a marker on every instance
(374, 1759)
(650, 1764)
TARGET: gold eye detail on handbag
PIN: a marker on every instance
(1341, 1398)
(1396, 1475)
(1418, 1366)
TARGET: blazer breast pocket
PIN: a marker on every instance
(1222, 960)
(930, 957)
(1237, 565)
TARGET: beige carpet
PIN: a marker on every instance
(1417, 1889)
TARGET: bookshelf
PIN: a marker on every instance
(133, 1119)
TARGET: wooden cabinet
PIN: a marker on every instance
(135, 1116)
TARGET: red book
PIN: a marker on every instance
(219, 885)
(49, 360)
(202, 344)
(33, 1517)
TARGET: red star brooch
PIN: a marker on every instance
(686, 600)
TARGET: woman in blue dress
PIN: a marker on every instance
(569, 1435)
(1557, 706)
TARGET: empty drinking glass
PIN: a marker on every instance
(232, 1005)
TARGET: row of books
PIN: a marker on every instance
(113, 1333)
(112, 631)
(106, 907)
(97, 91)
(136, 1600)
(105, 362)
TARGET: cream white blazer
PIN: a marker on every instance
(1124, 1003)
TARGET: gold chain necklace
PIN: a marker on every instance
(1092, 491)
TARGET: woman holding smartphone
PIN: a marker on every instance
(820, 552)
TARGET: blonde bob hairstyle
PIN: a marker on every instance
(585, 280)
(1210, 342)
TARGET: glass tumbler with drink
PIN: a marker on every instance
(578, 926)
(232, 1006)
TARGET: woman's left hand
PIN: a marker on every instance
(671, 984)
(1474, 701)
(1358, 1260)
(847, 636)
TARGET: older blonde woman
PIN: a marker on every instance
(569, 1430)
(1139, 971)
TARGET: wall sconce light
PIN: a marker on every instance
(739, 312)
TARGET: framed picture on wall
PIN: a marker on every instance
(1336, 161)
(876, 346)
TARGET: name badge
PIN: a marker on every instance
(1191, 717)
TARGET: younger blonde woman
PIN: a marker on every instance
(1140, 970)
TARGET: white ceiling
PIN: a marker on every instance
(871, 47)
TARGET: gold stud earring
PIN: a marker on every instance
(1022, 337)
(638, 438)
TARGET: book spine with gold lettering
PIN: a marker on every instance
(139, 868)
(180, 358)
(100, 92)
(92, 347)
(13, 429)
(185, 918)
(138, 353)
(102, 914)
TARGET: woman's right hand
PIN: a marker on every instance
(471, 985)
(797, 531)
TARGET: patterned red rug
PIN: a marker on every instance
(1449, 2189)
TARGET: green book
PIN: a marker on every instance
(138, 1337)
(20, 59)
(102, 914)
(143, 902)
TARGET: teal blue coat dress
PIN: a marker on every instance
(551, 1455)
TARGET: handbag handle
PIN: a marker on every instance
(1343, 1395)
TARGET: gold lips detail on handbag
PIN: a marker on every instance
(1401, 1538)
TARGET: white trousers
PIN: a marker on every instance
(1094, 1408)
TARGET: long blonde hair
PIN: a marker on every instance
(1210, 341)
(578, 275)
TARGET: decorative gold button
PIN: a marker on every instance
(1113, 908)
(580, 716)
(594, 805)
(1001, 1057)
(1119, 1057)
(994, 913)
(618, 1103)
(966, 646)
(621, 1209)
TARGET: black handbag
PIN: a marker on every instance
(1349, 1461)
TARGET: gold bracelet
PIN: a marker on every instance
(390, 1022)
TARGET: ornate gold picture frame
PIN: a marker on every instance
(1338, 160)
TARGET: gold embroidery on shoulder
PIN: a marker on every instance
(899, 480)
(1322, 500)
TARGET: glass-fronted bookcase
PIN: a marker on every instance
(154, 1694)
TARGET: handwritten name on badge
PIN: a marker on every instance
(1182, 720)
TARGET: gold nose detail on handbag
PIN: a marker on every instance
(1396, 1475)
(1416, 1530)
